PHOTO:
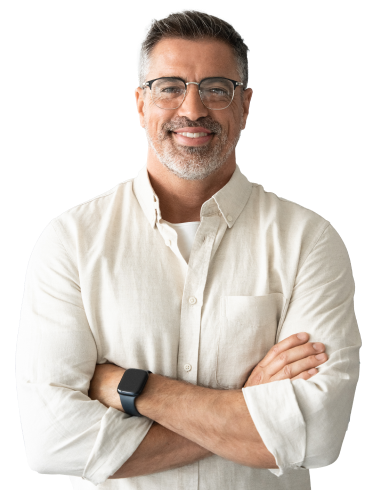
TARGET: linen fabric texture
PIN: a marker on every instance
(106, 282)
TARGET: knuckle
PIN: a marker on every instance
(275, 349)
(257, 377)
(282, 356)
(287, 370)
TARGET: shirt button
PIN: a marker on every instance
(220, 214)
(192, 300)
(168, 243)
(187, 367)
(229, 217)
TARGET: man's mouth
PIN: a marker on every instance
(191, 136)
(193, 130)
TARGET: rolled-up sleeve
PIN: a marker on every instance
(64, 431)
(303, 422)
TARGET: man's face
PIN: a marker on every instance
(187, 157)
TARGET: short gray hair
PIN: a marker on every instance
(190, 25)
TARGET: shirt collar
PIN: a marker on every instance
(229, 201)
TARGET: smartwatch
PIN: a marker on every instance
(131, 385)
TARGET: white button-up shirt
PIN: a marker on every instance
(107, 283)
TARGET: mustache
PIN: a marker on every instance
(211, 126)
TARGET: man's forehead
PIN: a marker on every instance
(182, 57)
(171, 45)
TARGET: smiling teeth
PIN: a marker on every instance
(194, 135)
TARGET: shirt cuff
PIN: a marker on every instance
(279, 421)
(115, 443)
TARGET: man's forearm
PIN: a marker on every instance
(161, 450)
(217, 420)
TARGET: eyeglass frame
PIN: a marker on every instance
(234, 82)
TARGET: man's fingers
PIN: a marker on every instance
(292, 355)
(285, 344)
(291, 370)
(306, 374)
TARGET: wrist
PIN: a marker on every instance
(130, 387)
(113, 382)
(153, 386)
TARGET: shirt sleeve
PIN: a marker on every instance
(64, 431)
(303, 422)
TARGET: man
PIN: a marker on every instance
(207, 303)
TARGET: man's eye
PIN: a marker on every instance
(171, 90)
(218, 91)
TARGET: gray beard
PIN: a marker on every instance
(192, 162)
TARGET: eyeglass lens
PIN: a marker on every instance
(215, 93)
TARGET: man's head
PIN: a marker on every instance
(193, 46)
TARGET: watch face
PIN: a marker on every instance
(132, 382)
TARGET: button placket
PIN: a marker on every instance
(193, 298)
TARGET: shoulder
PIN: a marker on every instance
(96, 207)
(81, 225)
(271, 207)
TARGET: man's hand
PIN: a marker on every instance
(292, 358)
(103, 386)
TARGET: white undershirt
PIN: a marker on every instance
(186, 233)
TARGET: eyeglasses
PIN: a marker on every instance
(216, 93)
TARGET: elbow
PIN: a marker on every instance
(39, 468)
(39, 460)
(43, 461)
(319, 461)
(39, 464)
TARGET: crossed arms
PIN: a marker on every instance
(190, 423)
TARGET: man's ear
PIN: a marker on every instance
(139, 97)
(246, 102)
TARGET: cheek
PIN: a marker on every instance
(231, 125)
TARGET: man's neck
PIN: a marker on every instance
(181, 199)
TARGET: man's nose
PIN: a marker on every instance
(192, 106)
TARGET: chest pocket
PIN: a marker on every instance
(247, 331)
